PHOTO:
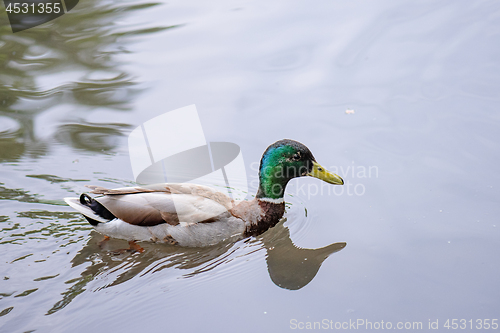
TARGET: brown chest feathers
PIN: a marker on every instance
(264, 215)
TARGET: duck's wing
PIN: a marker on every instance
(164, 203)
(190, 189)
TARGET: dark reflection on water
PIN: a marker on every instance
(50, 228)
(289, 266)
(78, 48)
(90, 137)
(17, 194)
(55, 179)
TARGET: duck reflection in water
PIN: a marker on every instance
(289, 266)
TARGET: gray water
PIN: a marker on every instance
(400, 98)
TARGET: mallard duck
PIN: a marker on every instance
(195, 215)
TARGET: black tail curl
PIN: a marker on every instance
(97, 208)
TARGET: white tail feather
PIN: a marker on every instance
(75, 204)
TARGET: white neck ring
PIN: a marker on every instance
(271, 200)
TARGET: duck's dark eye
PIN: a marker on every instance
(296, 157)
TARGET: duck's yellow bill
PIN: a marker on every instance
(321, 173)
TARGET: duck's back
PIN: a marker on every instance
(185, 214)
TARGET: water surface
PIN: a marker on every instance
(411, 237)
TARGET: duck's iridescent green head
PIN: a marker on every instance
(287, 159)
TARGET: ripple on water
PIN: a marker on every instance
(297, 219)
(8, 127)
(286, 59)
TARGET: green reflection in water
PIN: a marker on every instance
(17, 195)
(21, 258)
(55, 179)
(90, 137)
(26, 292)
(6, 311)
(76, 54)
(21, 195)
(71, 293)
(43, 278)
(44, 225)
